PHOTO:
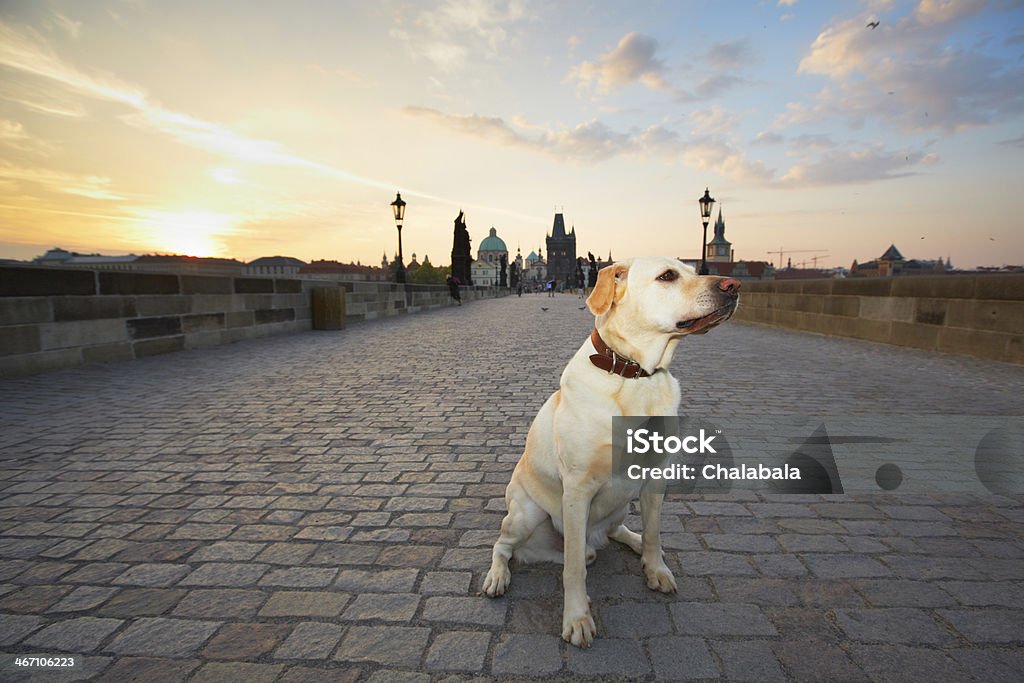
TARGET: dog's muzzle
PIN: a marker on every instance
(716, 317)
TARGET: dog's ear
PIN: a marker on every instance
(611, 285)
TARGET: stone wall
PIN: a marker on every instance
(973, 315)
(55, 318)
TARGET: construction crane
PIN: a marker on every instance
(782, 252)
(813, 260)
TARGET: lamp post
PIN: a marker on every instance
(705, 214)
(398, 206)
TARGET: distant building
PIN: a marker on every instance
(741, 270)
(492, 248)
(412, 266)
(720, 257)
(274, 265)
(998, 269)
(808, 273)
(485, 273)
(72, 259)
(148, 263)
(486, 269)
(535, 268)
(561, 247)
(193, 265)
(344, 272)
(601, 263)
(892, 263)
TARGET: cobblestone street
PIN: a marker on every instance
(321, 506)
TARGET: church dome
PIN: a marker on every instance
(493, 243)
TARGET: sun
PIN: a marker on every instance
(192, 233)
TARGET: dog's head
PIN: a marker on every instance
(662, 294)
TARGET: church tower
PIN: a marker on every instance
(561, 252)
(719, 248)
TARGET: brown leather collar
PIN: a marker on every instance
(613, 363)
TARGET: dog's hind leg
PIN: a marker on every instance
(543, 545)
(522, 519)
(627, 537)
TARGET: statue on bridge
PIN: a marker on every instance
(592, 275)
(503, 276)
(462, 258)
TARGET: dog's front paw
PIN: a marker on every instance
(497, 581)
(659, 577)
(579, 630)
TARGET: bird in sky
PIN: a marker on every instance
(543, 308)
(873, 24)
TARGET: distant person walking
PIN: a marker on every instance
(453, 288)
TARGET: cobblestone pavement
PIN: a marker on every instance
(319, 507)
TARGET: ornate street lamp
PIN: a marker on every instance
(399, 208)
(705, 215)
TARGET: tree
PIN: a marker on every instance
(428, 274)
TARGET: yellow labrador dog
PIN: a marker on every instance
(563, 483)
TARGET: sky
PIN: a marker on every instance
(248, 129)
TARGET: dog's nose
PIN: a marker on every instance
(729, 286)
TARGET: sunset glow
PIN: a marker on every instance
(241, 131)
(196, 233)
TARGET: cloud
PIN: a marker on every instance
(787, 3)
(26, 92)
(730, 54)
(631, 61)
(14, 135)
(819, 160)
(592, 142)
(451, 35)
(226, 176)
(845, 167)
(92, 186)
(69, 26)
(714, 121)
(586, 143)
(341, 72)
(1014, 142)
(27, 53)
(815, 142)
(767, 137)
(944, 11)
(720, 155)
(907, 75)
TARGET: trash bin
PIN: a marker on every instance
(328, 308)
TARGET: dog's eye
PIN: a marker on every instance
(669, 276)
